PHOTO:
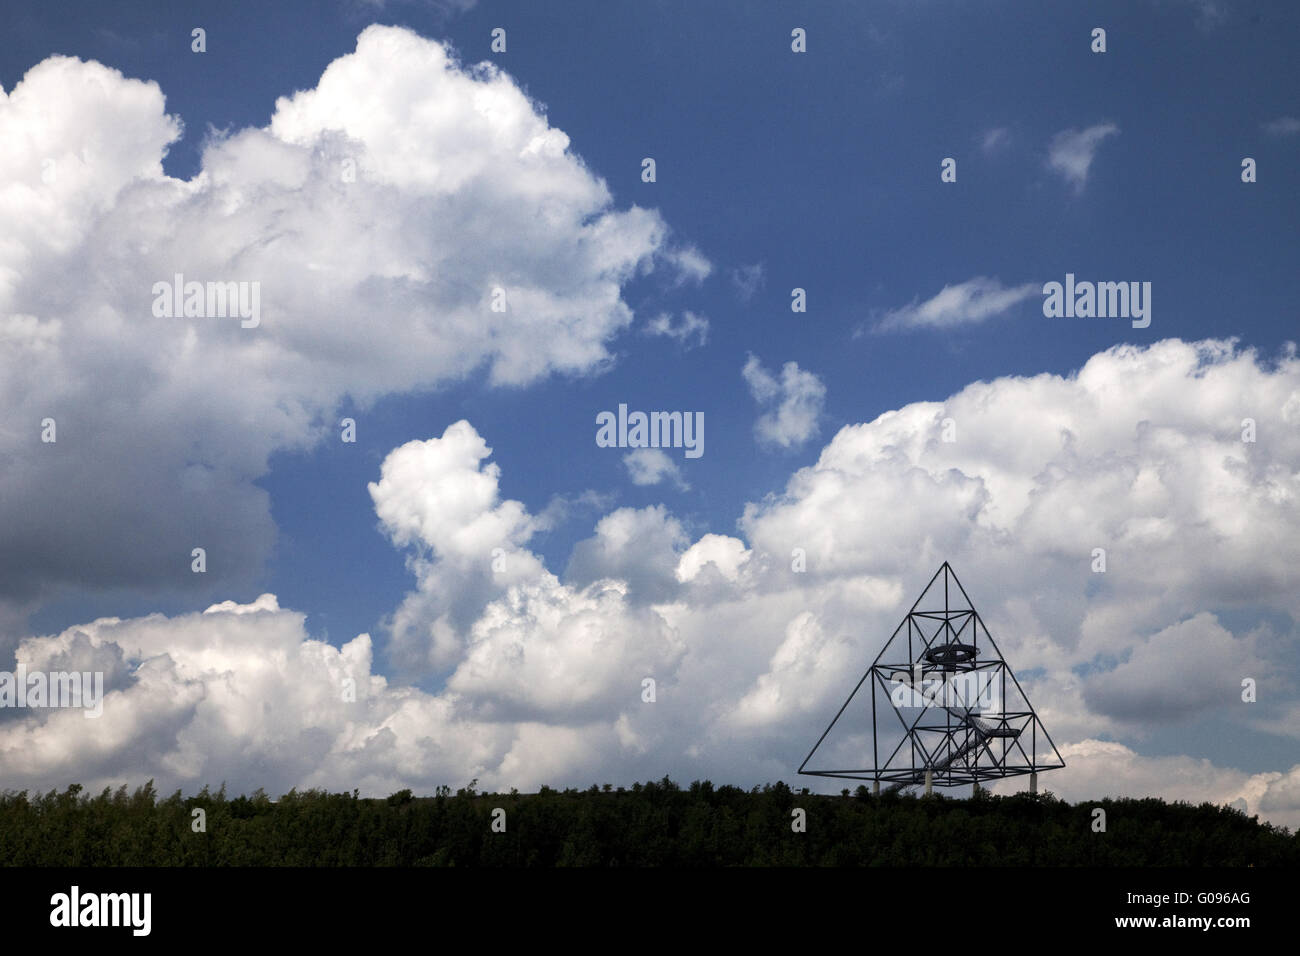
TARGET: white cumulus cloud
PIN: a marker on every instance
(650, 466)
(751, 650)
(791, 405)
(381, 211)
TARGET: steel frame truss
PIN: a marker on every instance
(968, 746)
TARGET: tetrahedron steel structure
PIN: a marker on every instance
(943, 703)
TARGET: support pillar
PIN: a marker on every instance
(929, 782)
(1033, 781)
(875, 789)
(975, 789)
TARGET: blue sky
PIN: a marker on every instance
(824, 170)
(816, 170)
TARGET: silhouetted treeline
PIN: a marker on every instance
(651, 824)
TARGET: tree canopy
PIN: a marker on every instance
(649, 824)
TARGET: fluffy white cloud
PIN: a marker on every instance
(691, 264)
(965, 303)
(649, 466)
(691, 326)
(438, 493)
(1100, 768)
(379, 211)
(792, 404)
(1281, 797)
(1139, 452)
(1071, 152)
(438, 498)
(245, 695)
(1191, 667)
(727, 555)
(636, 545)
(550, 651)
(794, 684)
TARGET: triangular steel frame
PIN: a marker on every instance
(972, 745)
